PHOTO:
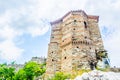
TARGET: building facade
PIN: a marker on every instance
(39, 60)
(74, 40)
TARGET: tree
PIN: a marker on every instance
(11, 72)
(6, 72)
(20, 75)
(103, 62)
(30, 71)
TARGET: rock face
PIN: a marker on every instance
(99, 75)
(75, 39)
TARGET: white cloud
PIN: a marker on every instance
(17, 21)
(31, 17)
(37, 31)
(9, 51)
(112, 44)
(24, 17)
(8, 33)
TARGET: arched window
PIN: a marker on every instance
(85, 24)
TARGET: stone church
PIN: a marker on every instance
(75, 38)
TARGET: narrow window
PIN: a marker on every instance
(81, 42)
(73, 28)
(85, 37)
(90, 47)
(52, 59)
(85, 24)
(75, 20)
(64, 57)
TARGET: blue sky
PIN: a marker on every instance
(25, 28)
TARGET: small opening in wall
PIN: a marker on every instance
(52, 36)
(64, 57)
(52, 59)
(52, 51)
(75, 20)
(85, 24)
(73, 28)
(85, 37)
(77, 47)
(63, 41)
(90, 47)
(81, 42)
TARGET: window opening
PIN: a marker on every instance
(85, 24)
(52, 59)
(64, 57)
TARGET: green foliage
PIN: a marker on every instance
(33, 69)
(103, 61)
(20, 75)
(60, 76)
(107, 68)
(28, 72)
(75, 73)
(102, 54)
(6, 73)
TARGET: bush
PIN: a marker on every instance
(60, 76)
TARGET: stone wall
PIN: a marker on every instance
(74, 39)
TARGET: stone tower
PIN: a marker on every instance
(74, 39)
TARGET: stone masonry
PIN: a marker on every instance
(74, 39)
